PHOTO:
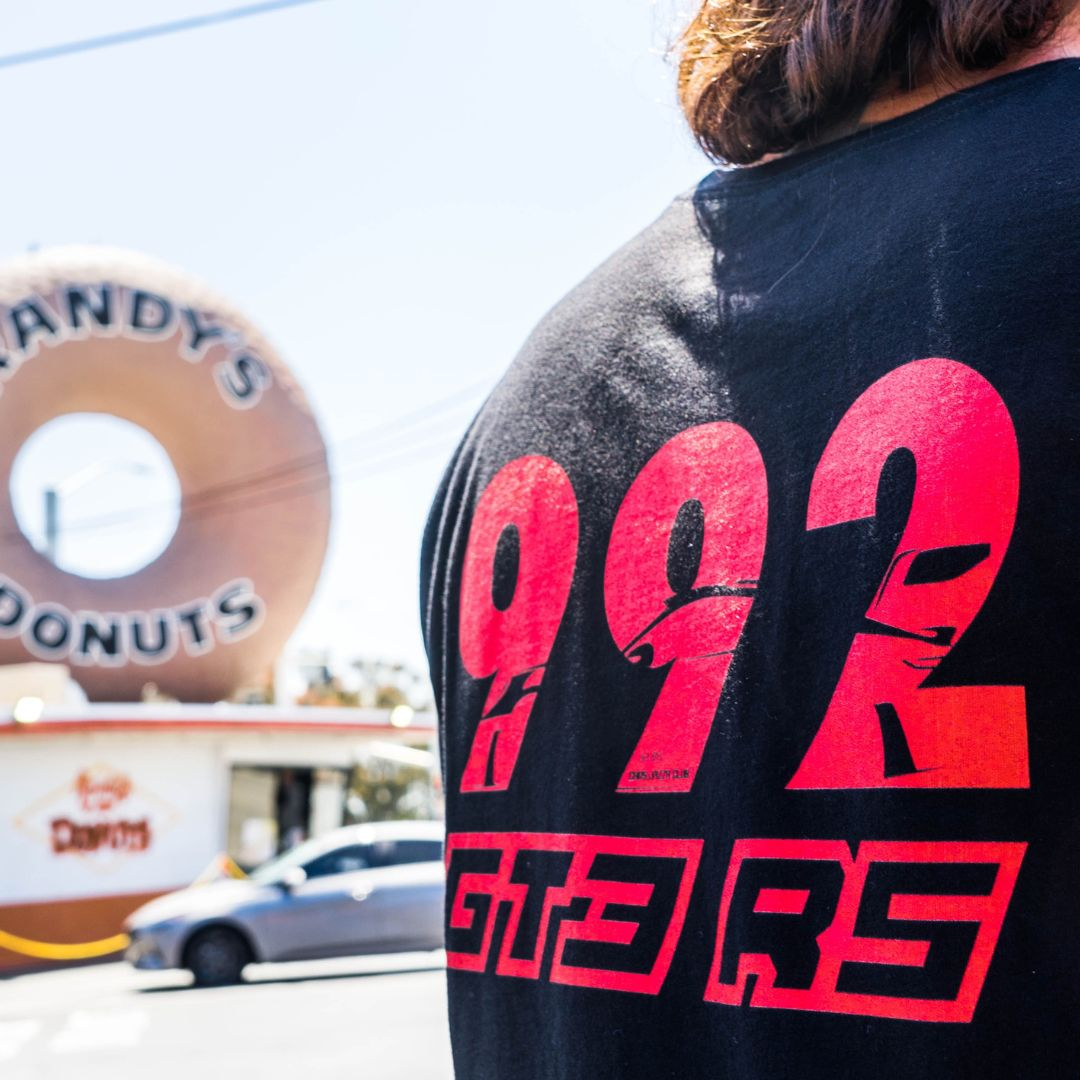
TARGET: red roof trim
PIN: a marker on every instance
(54, 727)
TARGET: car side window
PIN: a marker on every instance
(340, 861)
(384, 853)
(400, 852)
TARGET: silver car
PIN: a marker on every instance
(362, 889)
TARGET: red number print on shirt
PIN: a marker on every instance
(884, 727)
(681, 573)
(526, 522)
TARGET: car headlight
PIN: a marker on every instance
(143, 951)
(157, 926)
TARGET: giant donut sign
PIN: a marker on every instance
(97, 330)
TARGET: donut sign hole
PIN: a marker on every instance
(185, 474)
(95, 494)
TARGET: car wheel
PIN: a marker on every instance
(216, 956)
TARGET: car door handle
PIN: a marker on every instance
(361, 892)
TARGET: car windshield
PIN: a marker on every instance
(271, 872)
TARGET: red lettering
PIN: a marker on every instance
(72, 836)
(781, 901)
(681, 574)
(891, 722)
(519, 565)
(616, 906)
(904, 930)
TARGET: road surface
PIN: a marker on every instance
(377, 1017)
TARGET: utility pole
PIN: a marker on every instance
(69, 485)
(52, 524)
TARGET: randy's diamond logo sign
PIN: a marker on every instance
(100, 815)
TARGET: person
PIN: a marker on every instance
(751, 593)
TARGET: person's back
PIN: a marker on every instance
(750, 598)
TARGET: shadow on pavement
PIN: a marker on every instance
(271, 978)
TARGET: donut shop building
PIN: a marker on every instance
(105, 806)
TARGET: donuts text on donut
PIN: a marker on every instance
(52, 632)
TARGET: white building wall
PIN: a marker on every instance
(151, 810)
(105, 814)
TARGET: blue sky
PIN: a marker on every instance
(395, 192)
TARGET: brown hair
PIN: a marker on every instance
(761, 76)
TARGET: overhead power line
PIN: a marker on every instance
(372, 440)
(391, 438)
(141, 33)
(398, 442)
(293, 489)
(262, 493)
(297, 488)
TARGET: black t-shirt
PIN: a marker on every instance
(752, 599)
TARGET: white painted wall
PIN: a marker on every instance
(177, 786)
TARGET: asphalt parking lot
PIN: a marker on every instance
(382, 1017)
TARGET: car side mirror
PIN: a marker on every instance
(293, 878)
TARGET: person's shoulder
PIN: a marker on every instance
(658, 279)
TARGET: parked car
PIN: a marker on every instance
(362, 889)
